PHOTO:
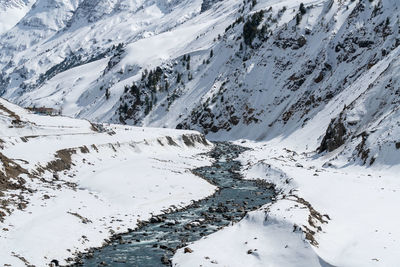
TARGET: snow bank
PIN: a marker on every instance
(332, 215)
(257, 240)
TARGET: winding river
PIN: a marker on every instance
(154, 243)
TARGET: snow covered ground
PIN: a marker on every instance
(11, 12)
(361, 226)
(106, 182)
(325, 214)
(254, 241)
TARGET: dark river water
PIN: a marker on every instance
(154, 243)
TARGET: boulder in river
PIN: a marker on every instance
(165, 260)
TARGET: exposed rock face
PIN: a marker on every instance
(13, 3)
(188, 250)
(207, 4)
(335, 136)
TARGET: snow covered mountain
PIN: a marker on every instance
(313, 84)
(257, 69)
(11, 11)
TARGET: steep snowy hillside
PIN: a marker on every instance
(67, 185)
(257, 69)
(11, 11)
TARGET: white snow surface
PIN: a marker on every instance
(12, 11)
(257, 240)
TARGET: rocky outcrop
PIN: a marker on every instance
(207, 4)
(335, 136)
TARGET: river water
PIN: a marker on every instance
(154, 243)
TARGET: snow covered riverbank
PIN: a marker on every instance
(347, 211)
(326, 214)
(82, 185)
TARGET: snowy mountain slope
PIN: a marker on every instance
(148, 22)
(369, 125)
(168, 64)
(11, 11)
(55, 30)
(69, 184)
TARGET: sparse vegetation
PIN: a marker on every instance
(250, 27)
